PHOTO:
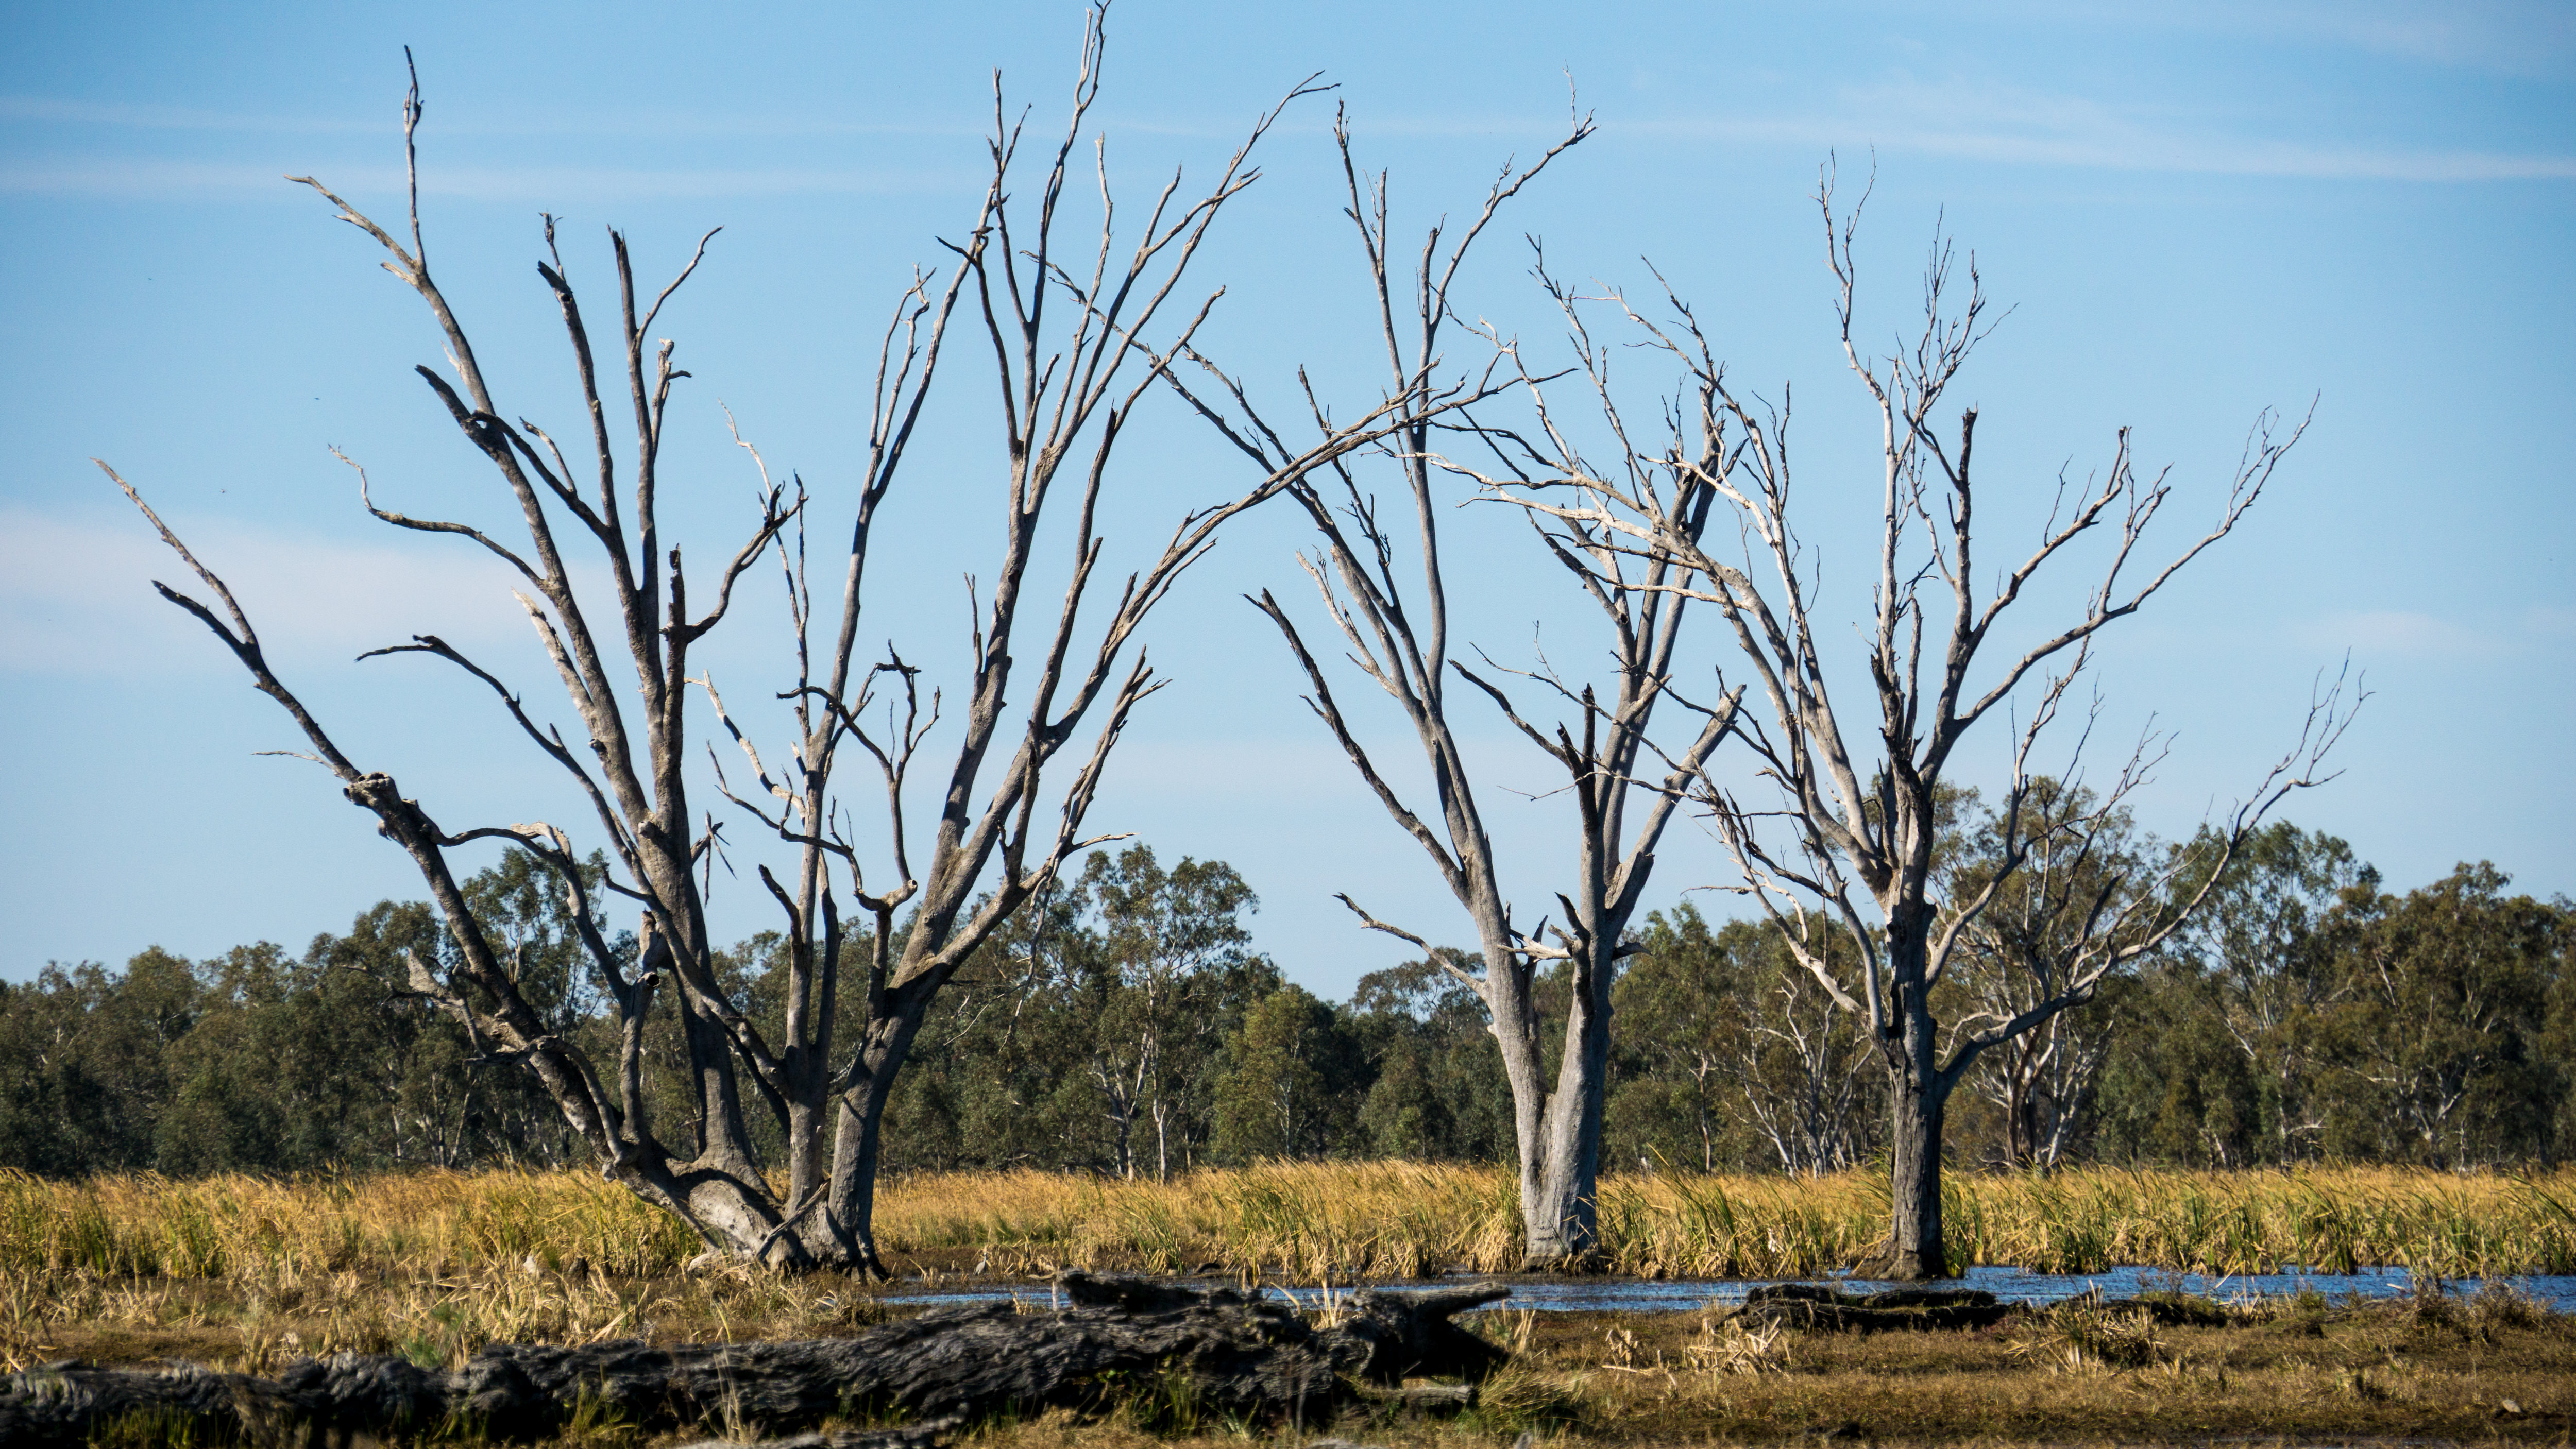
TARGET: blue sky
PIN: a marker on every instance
(2195, 214)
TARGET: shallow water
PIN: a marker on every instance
(2012, 1285)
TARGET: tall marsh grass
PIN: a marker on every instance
(1345, 1221)
(1314, 1222)
(143, 1225)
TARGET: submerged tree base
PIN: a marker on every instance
(1885, 1263)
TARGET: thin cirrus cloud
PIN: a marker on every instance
(2390, 634)
(153, 179)
(1984, 123)
(92, 115)
(76, 596)
(675, 125)
(103, 169)
(2513, 37)
(2532, 38)
(1973, 120)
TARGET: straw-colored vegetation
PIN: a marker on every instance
(1312, 1222)
(2443, 1367)
(252, 1272)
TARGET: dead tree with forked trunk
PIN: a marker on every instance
(1840, 845)
(1398, 637)
(1071, 343)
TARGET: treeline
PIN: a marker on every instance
(1124, 1025)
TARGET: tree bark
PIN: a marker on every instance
(1564, 1216)
(1255, 1357)
(1916, 1249)
(1808, 1306)
(857, 1144)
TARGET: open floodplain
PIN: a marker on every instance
(2321, 1306)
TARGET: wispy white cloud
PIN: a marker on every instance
(150, 179)
(2513, 37)
(76, 596)
(2402, 634)
(1980, 121)
(662, 125)
(1989, 123)
(2509, 37)
(132, 177)
(52, 110)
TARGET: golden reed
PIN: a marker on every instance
(1323, 1221)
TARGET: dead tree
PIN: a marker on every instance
(1398, 638)
(1071, 343)
(1837, 840)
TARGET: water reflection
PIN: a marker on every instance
(2012, 1285)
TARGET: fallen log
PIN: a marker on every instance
(910, 1436)
(1815, 1307)
(1222, 1348)
(1421, 1398)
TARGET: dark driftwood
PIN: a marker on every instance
(1222, 1348)
(1813, 1306)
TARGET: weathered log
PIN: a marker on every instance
(1421, 1398)
(1222, 1348)
(1812, 1306)
(2173, 1310)
(910, 1436)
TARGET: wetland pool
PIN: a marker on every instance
(1685, 1295)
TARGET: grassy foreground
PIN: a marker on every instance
(2434, 1369)
(251, 1272)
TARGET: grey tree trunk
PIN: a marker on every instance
(1565, 1215)
(1916, 1248)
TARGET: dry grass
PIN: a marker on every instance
(1312, 1222)
(143, 1225)
(433, 1265)
(2436, 1366)
(2378, 1372)
(1308, 1222)
(270, 1314)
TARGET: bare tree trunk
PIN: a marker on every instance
(1919, 1098)
(1513, 1020)
(857, 1148)
(1916, 1248)
(1568, 1225)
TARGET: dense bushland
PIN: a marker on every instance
(1125, 1026)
